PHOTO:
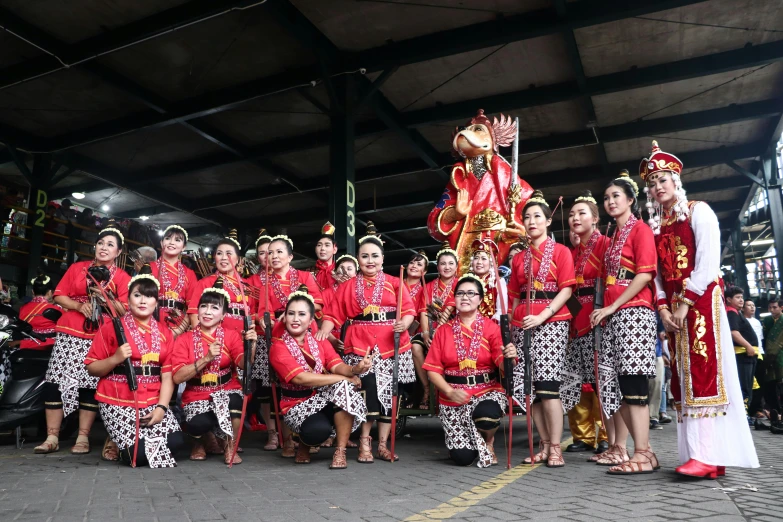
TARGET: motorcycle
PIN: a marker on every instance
(21, 402)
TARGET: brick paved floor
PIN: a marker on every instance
(63, 487)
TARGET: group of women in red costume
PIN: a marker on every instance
(331, 357)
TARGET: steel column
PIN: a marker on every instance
(342, 190)
(772, 179)
(40, 179)
(740, 271)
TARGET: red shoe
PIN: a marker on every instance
(721, 471)
(694, 468)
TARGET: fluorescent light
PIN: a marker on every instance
(78, 195)
(764, 314)
(160, 232)
(105, 208)
(144, 218)
(206, 249)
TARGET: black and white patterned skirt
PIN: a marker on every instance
(5, 365)
(342, 394)
(260, 370)
(383, 370)
(218, 404)
(547, 356)
(120, 422)
(460, 428)
(577, 369)
(628, 348)
(67, 369)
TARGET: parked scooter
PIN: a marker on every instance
(21, 402)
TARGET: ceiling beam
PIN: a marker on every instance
(65, 56)
(221, 100)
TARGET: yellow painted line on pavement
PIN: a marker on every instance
(466, 499)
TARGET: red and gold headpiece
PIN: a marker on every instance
(659, 161)
(328, 230)
(484, 245)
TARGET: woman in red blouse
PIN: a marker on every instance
(627, 356)
(434, 306)
(32, 313)
(262, 396)
(464, 364)
(318, 389)
(207, 359)
(552, 285)
(370, 301)
(482, 264)
(588, 253)
(69, 386)
(149, 347)
(176, 280)
(227, 259)
(284, 281)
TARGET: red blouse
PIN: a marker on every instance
(74, 285)
(177, 290)
(638, 256)
(587, 269)
(232, 354)
(31, 313)
(442, 356)
(113, 388)
(444, 293)
(275, 304)
(233, 320)
(560, 275)
(362, 336)
(287, 367)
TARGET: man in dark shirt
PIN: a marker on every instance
(745, 343)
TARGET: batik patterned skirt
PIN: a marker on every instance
(460, 428)
(547, 352)
(120, 422)
(341, 394)
(67, 369)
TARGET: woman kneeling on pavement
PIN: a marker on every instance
(318, 389)
(464, 364)
(149, 349)
(207, 359)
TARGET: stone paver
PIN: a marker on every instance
(63, 487)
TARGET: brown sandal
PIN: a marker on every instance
(50, 445)
(365, 450)
(542, 455)
(635, 467)
(302, 454)
(614, 457)
(212, 444)
(229, 451)
(110, 451)
(82, 444)
(555, 459)
(491, 448)
(328, 443)
(384, 453)
(338, 459)
(272, 442)
(289, 448)
(198, 452)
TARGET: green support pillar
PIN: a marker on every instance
(39, 179)
(772, 180)
(342, 190)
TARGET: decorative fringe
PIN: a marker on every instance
(209, 379)
(467, 363)
(150, 357)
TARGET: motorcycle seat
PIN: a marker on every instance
(31, 357)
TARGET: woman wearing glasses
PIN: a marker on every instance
(464, 364)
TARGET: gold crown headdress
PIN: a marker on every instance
(446, 249)
(138, 277)
(300, 293)
(372, 233)
(473, 277)
(262, 235)
(234, 238)
(283, 237)
(176, 227)
(626, 176)
(538, 197)
(115, 231)
(587, 196)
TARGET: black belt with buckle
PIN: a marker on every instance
(472, 380)
(236, 311)
(222, 379)
(585, 291)
(172, 303)
(297, 394)
(145, 370)
(625, 274)
(377, 318)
